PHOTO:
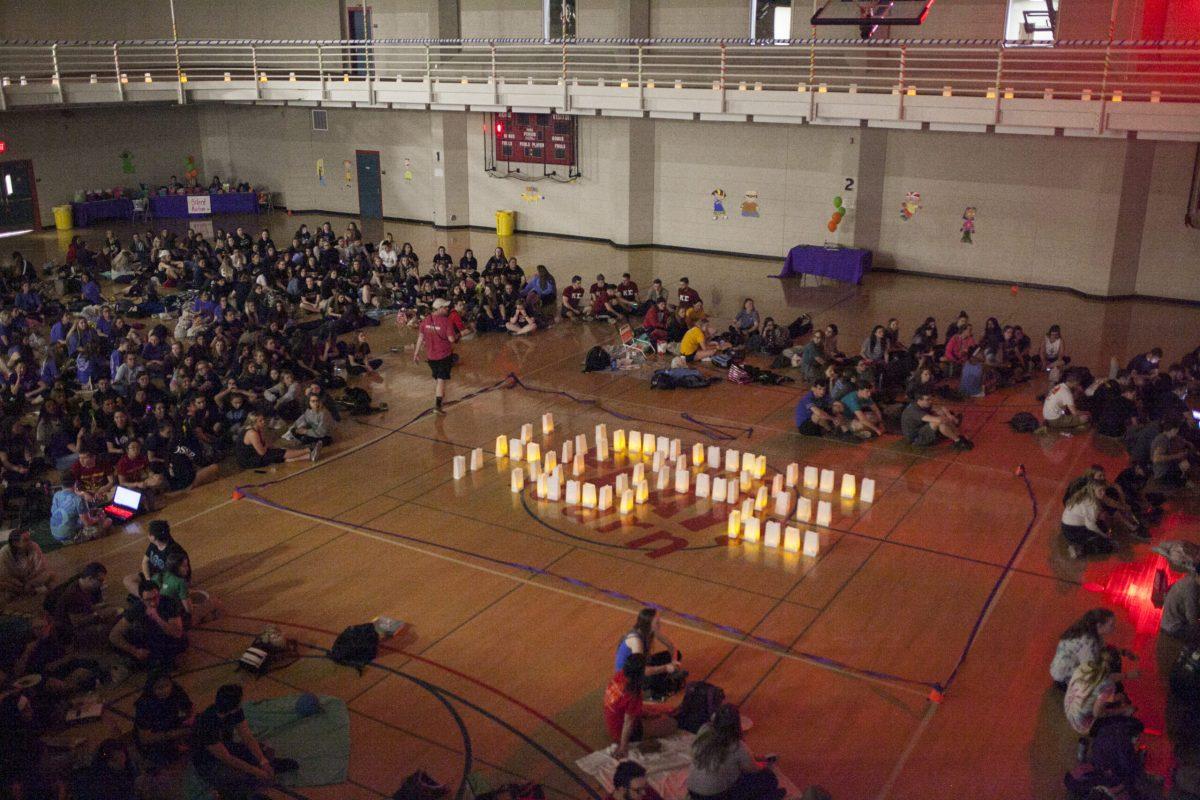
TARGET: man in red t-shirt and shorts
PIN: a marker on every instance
(437, 334)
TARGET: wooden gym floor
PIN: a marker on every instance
(516, 605)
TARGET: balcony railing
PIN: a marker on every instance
(1101, 70)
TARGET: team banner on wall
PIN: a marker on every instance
(199, 204)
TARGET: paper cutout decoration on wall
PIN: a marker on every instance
(321, 171)
(408, 169)
(718, 203)
(839, 211)
(347, 173)
(531, 194)
(968, 225)
(910, 206)
(750, 204)
(189, 169)
(127, 162)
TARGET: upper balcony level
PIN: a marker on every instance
(1077, 88)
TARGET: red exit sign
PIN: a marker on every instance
(3, 146)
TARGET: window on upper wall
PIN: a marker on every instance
(771, 20)
(1034, 21)
(559, 18)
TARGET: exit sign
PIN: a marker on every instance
(3, 146)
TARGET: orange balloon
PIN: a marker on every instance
(832, 225)
(841, 212)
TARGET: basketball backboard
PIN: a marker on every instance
(868, 15)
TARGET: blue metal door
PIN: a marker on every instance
(370, 185)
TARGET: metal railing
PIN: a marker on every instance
(1113, 71)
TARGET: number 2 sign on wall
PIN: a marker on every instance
(849, 187)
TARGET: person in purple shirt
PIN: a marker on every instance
(28, 300)
(91, 292)
(60, 329)
(154, 352)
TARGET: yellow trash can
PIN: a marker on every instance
(506, 223)
(62, 218)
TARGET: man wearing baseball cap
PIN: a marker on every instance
(437, 335)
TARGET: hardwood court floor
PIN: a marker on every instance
(516, 604)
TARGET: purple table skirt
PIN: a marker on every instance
(84, 214)
(845, 264)
(175, 205)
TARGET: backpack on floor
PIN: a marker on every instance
(1085, 782)
(420, 786)
(356, 401)
(800, 326)
(1024, 422)
(700, 701)
(662, 379)
(356, 646)
(738, 374)
(597, 360)
(722, 359)
(269, 651)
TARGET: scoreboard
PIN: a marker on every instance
(535, 138)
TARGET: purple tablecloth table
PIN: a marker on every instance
(176, 205)
(84, 214)
(844, 264)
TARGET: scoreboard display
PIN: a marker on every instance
(535, 138)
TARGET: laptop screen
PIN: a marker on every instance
(127, 498)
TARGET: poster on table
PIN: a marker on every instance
(199, 205)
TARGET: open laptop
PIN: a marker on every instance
(125, 506)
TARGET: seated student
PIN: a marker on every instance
(314, 426)
(175, 582)
(814, 413)
(1052, 356)
(922, 423)
(625, 715)
(694, 347)
(774, 338)
(861, 412)
(688, 296)
(77, 604)
(151, 632)
(226, 754)
(747, 322)
(1114, 753)
(540, 289)
(1058, 410)
(813, 359)
(93, 478)
(162, 720)
(629, 783)
(133, 471)
(1081, 524)
(602, 305)
(51, 656)
(1181, 610)
(664, 673)
(1081, 643)
(521, 323)
(657, 320)
(112, 775)
(23, 567)
(70, 518)
(160, 544)
(1094, 692)
(1115, 511)
(572, 300)
(1116, 412)
(722, 766)
(253, 453)
(626, 296)
(1144, 367)
(657, 292)
(25, 769)
(1172, 458)
(876, 347)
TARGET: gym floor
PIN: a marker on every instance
(516, 604)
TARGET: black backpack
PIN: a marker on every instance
(356, 401)
(800, 326)
(597, 360)
(700, 701)
(1024, 422)
(356, 646)
(661, 379)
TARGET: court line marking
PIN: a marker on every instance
(533, 582)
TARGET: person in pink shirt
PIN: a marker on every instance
(437, 336)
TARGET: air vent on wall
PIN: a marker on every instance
(320, 119)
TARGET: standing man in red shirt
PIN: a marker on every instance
(437, 335)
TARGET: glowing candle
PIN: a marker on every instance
(733, 527)
(761, 498)
(601, 435)
(459, 467)
(731, 460)
(518, 480)
(648, 444)
(791, 539)
(812, 543)
(826, 481)
(547, 424)
(477, 459)
(553, 487)
(697, 454)
(748, 462)
(526, 432)
(848, 487)
(824, 513)
(602, 450)
(682, 481)
(578, 465)
(635, 442)
(714, 457)
(642, 494)
(627, 501)
(533, 452)
(581, 445)
(663, 445)
(793, 475)
(515, 448)
(604, 503)
(744, 481)
(731, 491)
(803, 509)
(541, 486)
(783, 504)
(568, 451)
(703, 485)
(810, 477)
(639, 473)
(750, 529)
(501, 446)
(760, 467)
(550, 461)
(659, 459)
(747, 508)
(572, 495)
(676, 448)
(588, 499)
(718, 489)
(772, 533)
(867, 493)
(621, 483)
(618, 441)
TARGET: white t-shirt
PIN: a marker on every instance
(1058, 402)
(1070, 654)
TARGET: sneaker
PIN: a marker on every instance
(1073, 552)
(288, 437)
(315, 452)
